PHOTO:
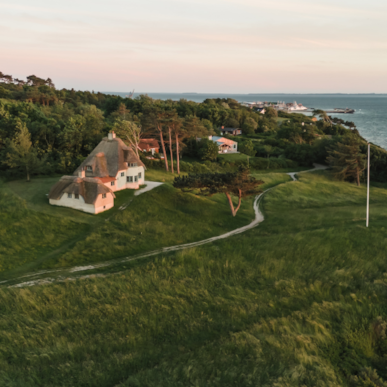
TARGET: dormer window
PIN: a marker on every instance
(133, 164)
(89, 168)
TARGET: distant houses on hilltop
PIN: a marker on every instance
(111, 166)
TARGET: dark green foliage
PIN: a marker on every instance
(247, 147)
(207, 150)
(346, 159)
(238, 183)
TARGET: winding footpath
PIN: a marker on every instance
(69, 274)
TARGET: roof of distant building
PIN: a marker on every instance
(148, 143)
(222, 140)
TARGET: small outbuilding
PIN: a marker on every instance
(230, 131)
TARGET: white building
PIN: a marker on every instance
(111, 166)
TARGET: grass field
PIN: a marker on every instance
(39, 236)
(297, 301)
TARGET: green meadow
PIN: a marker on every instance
(36, 235)
(299, 300)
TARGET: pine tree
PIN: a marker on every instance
(20, 153)
(347, 161)
(238, 183)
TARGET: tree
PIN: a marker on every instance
(232, 123)
(122, 113)
(153, 120)
(268, 150)
(208, 150)
(249, 126)
(194, 127)
(20, 152)
(238, 183)
(175, 126)
(271, 112)
(129, 131)
(247, 147)
(347, 160)
(323, 115)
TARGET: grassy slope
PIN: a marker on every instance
(59, 237)
(292, 302)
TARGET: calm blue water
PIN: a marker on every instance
(370, 116)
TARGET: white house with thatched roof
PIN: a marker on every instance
(111, 166)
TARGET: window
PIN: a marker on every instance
(69, 196)
(129, 179)
(112, 183)
(122, 173)
(135, 179)
(139, 175)
(89, 168)
(133, 164)
(76, 196)
(104, 207)
(103, 196)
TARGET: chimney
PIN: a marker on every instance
(222, 127)
(81, 173)
(210, 137)
(111, 135)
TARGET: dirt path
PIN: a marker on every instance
(149, 186)
(68, 274)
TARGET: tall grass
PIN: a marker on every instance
(26, 235)
(297, 301)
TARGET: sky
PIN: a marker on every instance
(204, 46)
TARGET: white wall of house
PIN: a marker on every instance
(77, 204)
(100, 205)
(132, 178)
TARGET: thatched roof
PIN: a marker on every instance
(88, 188)
(109, 157)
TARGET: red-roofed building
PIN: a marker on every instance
(149, 145)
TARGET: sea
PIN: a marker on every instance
(370, 115)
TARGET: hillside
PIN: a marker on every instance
(298, 300)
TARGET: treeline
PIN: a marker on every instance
(63, 126)
(59, 128)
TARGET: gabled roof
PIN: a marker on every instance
(88, 188)
(109, 157)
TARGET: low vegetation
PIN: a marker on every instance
(299, 300)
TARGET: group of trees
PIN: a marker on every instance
(59, 128)
(239, 183)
